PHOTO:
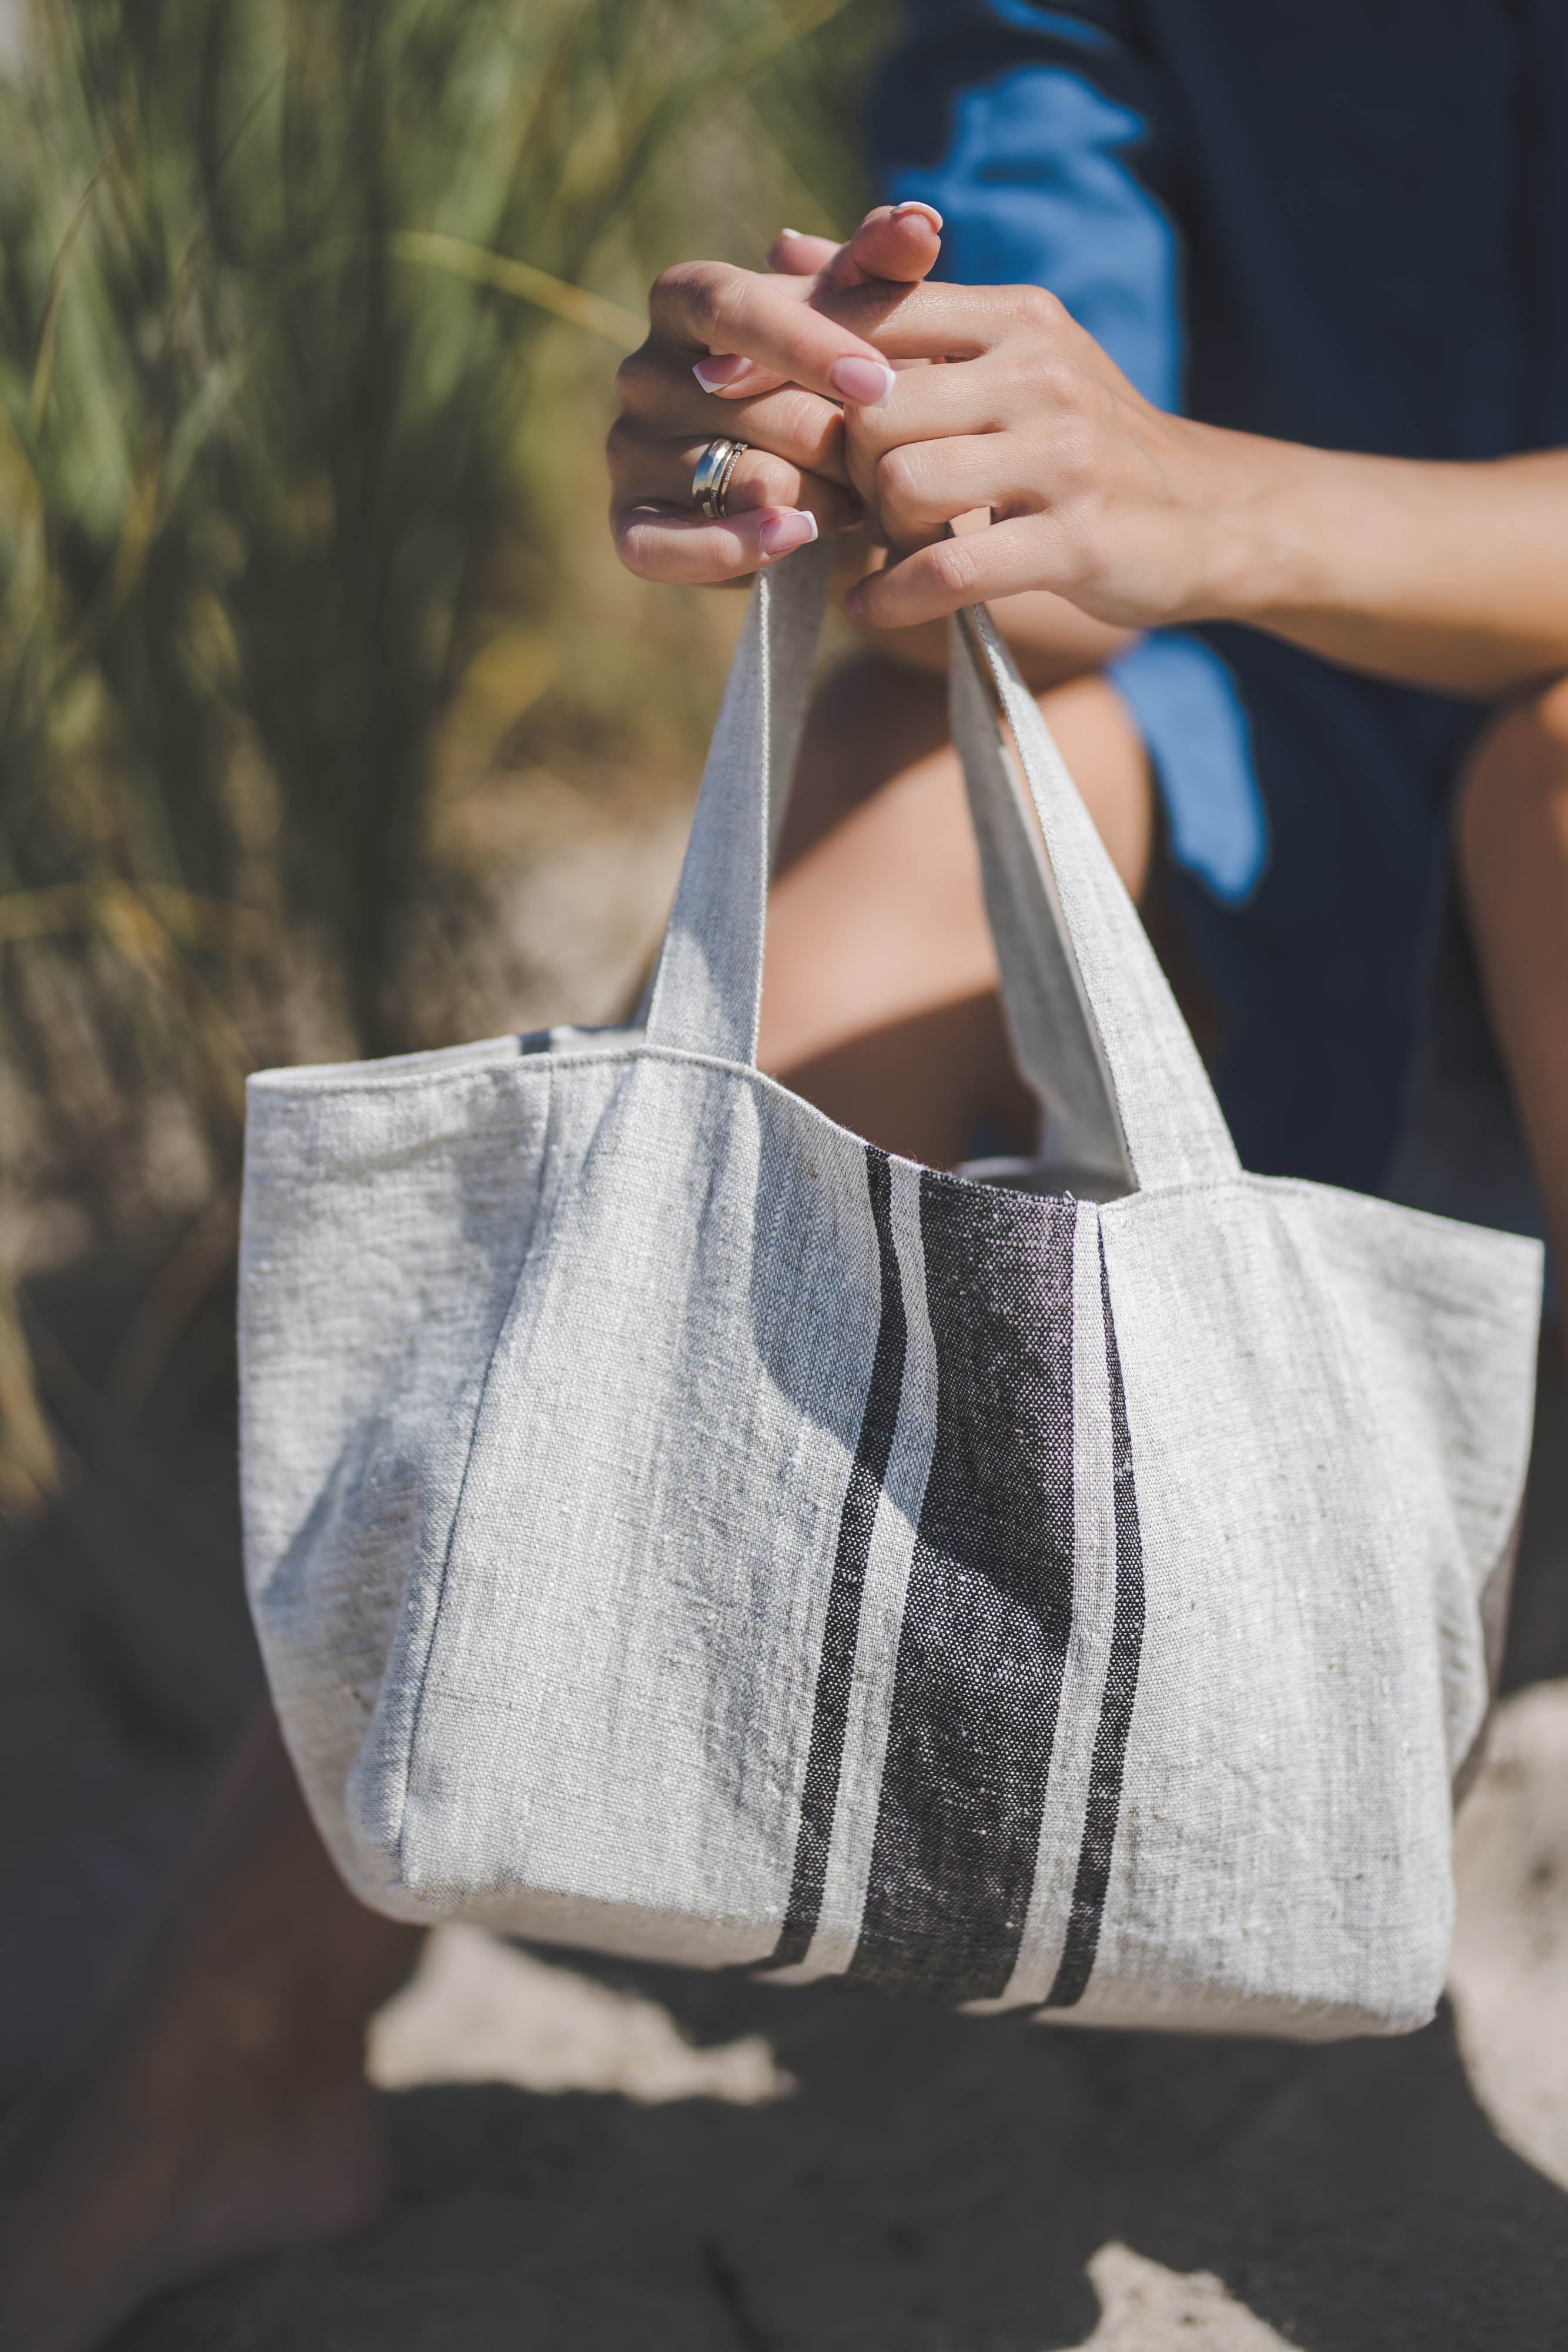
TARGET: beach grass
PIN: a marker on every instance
(309, 313)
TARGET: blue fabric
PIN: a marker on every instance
(1190, 711)
(1325, 221)
(1032, 156)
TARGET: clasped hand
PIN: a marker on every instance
(826, 369)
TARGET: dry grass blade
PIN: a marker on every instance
(39, 393)
(508, 276)
(29, 1460)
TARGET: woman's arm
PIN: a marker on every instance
(1451, 577)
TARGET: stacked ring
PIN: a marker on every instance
(710, 483)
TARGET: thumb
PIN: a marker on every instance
(896, 241)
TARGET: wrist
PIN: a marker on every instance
(1261, 503)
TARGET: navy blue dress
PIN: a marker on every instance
(1339, 222)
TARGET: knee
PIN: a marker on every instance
(1512, 806)
(1519, 766)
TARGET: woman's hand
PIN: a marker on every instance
(1445, 575)
(1094, 494)
(753, 357)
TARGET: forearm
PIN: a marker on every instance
(1451, 577)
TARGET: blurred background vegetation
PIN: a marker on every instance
(311, 633)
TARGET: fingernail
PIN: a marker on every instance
(865, 382)
(854, 602)
(913, 205)
(789, 232)
(787, 529)
(720, 370)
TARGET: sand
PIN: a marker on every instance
(592, 2165)
(593, 2160)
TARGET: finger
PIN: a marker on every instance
(920, 487)
(934, 411)
(672, 545)
(647, 470)
(666, 406)
(659, 375)
(1000, 561)
(730, 374)
(933, 321)
(794, 256)
(896, 243)
(721, 371)
(940, 404)
(705, 308)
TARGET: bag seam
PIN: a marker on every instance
(482, 1393)
(542, 1067)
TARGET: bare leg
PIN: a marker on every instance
(880, 1004)
(1513, 866)
(219, 2102)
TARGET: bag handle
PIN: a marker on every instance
(706, 996)
(1055, 1040)
(1094, 1026)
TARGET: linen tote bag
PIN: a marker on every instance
(677, 1527)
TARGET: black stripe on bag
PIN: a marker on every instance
(1109, 1758)
(983, 1643)
(835, 1675)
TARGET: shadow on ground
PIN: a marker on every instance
(939, 2183)
(928, 2183)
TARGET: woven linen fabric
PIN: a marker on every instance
(675, 1527)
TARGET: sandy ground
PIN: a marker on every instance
(590, 2161)
(755, 2171)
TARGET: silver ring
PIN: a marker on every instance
(710, 483)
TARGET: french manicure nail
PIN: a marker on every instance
(789, 232)
(865, 382)
(720, 370)
(789, 528)
(915, 204)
